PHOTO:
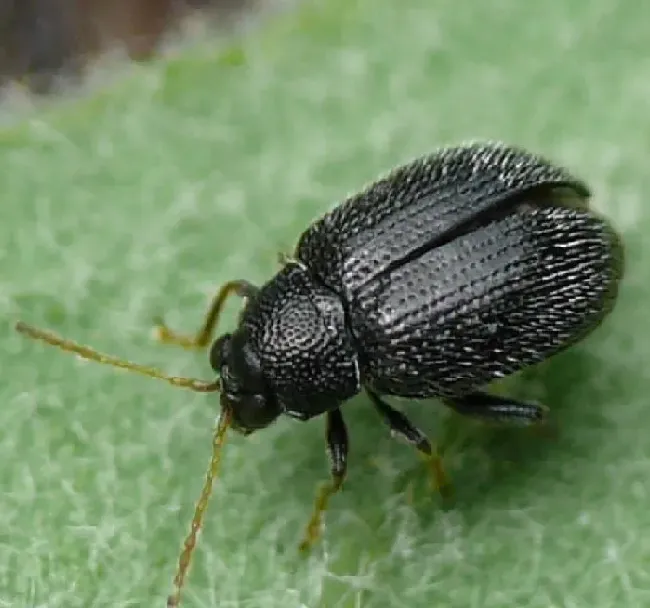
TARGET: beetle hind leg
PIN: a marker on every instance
(337, 449)
(202, 338)
(496, 408)
(402, 427)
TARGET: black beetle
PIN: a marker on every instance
(452, 271)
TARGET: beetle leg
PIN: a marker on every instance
(202, 338)
(284, 258)
(402, 427)
(337, 449)
(496, 408)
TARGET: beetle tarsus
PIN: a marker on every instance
(285, 258)
(337, 448)
(203, 337)
(497, 408)
(313, 531)
(439, 480)
(401, 426)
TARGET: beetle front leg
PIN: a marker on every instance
(202, 338)
(496, 408)
(337, 449)
(401, 426)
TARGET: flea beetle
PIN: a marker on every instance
(451, 271)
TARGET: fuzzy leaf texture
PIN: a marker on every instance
(184, 173)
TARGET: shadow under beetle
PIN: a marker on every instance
(454, 270)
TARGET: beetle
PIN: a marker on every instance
(453, 270)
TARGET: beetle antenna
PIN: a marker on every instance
(190, 541)
(90, 354)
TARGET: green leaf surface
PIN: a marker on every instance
(199, 169)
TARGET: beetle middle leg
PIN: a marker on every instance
(337, 449)
(401, 426)
(202, 338)
(497, 408)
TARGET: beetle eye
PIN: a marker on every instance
(246, 367)
(219, 351)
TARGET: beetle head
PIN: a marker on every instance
(243, 388)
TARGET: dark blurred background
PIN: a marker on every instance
(45, 43)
